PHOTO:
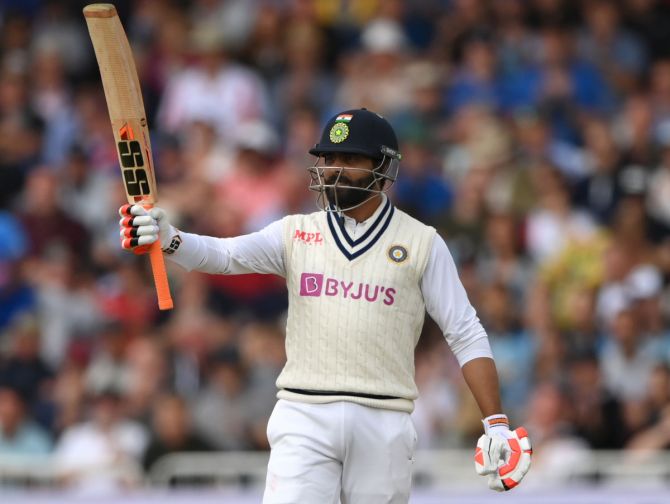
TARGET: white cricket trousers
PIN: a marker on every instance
(338, 452)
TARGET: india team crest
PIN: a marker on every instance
(339, 132)
(397, 253)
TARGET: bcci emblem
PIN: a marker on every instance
(397, 253)
(339, 132)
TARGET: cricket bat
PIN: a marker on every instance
(129, 122)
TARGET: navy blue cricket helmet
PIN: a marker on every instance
(356, 131)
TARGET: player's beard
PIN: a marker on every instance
(349, 197)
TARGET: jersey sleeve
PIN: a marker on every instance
(448, 305)
(259, 252)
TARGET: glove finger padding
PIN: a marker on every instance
(131, 210)
(489, 452)
(515, 467)
(138, 228)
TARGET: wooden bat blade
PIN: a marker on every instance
(124, 102)
(129, 124)
(116, 62)
(100, 10)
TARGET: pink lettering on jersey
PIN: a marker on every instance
(331, 287)
(315, 285)
(371, 297)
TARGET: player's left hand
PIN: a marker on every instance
(501, 454)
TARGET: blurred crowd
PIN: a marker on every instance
(535, 137)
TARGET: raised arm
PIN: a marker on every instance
(259, 252)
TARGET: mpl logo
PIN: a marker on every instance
(308, 238)
(316, 285)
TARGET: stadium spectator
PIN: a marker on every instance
(23, 368)
(250, 189)
(477, 79)
(658, 197)
(601, 189)
(216, 90)
(262, 349)
(653, 439)
(146, 373)
(375, 75)
(100, 455)
(659, 390)
(435, 411)
(19, 435)
(500, 260)
(422, 191)
(20, 135)
(512, 347)
(304, 82)
(659, 92)
(171, 431)
(107, 369)
(619, 54)
(553, 224)
(16, 295)
(627, 360)
(227, 398)
(597, 412)
(560, 449)
(633, 132)
(569, 278)
(82, 188)
(46, 224)
(516, 42)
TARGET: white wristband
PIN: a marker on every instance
(495, 423)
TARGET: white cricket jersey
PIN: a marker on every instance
(357, 297)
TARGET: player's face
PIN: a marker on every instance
(346, 181)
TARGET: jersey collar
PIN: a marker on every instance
(353, 248)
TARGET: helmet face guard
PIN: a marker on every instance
(338, 194)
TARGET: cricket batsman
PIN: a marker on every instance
(360, 275)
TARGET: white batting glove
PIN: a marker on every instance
(141, 227)
(501, 454)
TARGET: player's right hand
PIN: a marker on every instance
(141, 227)
(503, 455)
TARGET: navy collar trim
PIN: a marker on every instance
(371, 229)
(351, 249)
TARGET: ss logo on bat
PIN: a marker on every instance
(134, 176)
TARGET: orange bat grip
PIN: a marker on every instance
(160, 276)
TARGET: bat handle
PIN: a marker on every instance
(160, 276)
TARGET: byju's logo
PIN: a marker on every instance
(311, 284)
(315, 285)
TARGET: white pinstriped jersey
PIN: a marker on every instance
(356, 308)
